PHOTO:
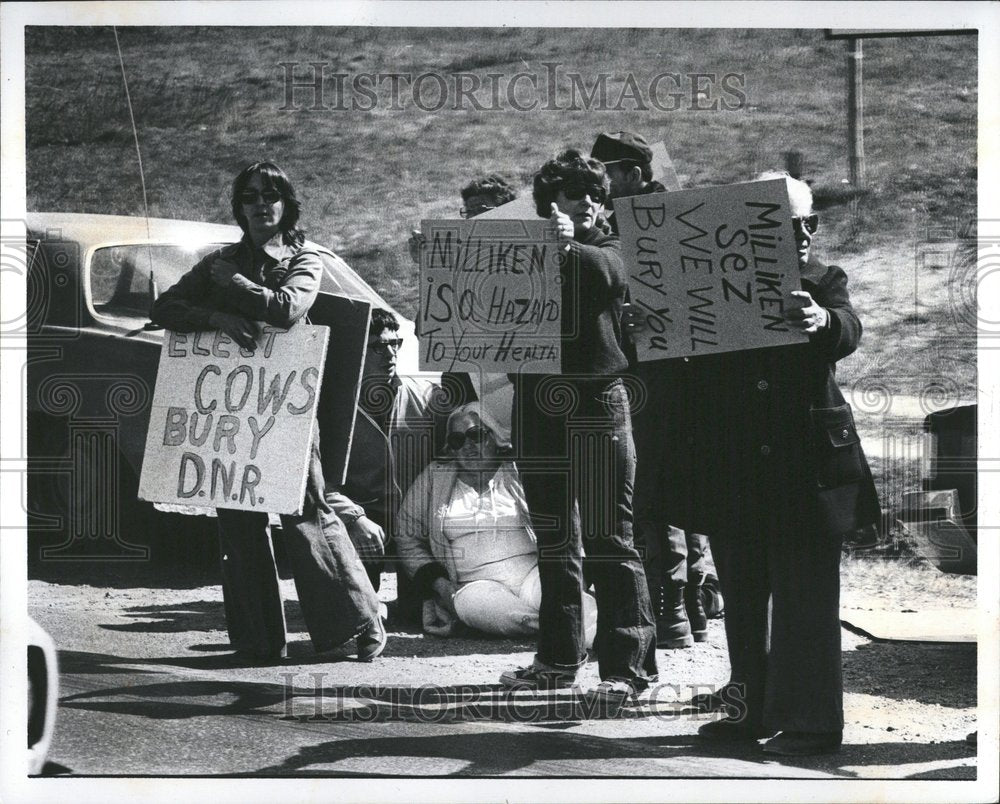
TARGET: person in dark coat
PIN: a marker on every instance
(766, 459)
(573, 438)
(272, 277)
(675, 560)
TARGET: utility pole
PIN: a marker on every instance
(856, 112)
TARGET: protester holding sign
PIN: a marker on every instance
(270, 279)
(675, 560)
(577, 460)
(491, 388)
(765, 458)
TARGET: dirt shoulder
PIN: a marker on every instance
(908, 706)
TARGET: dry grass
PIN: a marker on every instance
(208, 100)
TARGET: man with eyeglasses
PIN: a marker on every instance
(765, 458)
(677, 562)
(399, 427)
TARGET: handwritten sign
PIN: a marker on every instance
(711, 269)
(490, 297)
(231, 427)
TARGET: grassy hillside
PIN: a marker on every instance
(209, 100)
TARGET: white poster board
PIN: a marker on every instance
(711, 268)
(231, 428)
(490, 296)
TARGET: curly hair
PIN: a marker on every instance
(570, 167)
(272, 178)
(493, 185)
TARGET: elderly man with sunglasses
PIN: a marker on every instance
(399, 427)
(765, 458)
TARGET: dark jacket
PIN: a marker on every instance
(593, 291)
(763, 438)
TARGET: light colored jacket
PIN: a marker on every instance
(420, 537)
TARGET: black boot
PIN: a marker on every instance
(697, 617)
(672, 627)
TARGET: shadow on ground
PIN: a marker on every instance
(209, 616)
(933, 673)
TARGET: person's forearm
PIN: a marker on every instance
(286, 305)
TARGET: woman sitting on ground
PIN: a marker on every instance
(465, 538)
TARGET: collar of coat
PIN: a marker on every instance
(275, 248)
(813, 273)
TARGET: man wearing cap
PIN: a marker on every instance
(676, 565)
(629, 161)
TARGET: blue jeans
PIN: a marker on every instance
(335, 595)
(577, 463)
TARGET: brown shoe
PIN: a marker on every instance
(371, 641)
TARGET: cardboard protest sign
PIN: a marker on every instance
(712, 268)
(230, 427)
(345, 361)
(490, 296)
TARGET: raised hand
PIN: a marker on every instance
(806, 316)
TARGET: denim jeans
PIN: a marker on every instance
(577, 463)
(335, 595)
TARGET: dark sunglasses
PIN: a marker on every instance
(384, 347)
(809, 223)
(576, 193)
(250, 197)
(474, 434)
(471, 212)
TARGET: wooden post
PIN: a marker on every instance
(855, 113)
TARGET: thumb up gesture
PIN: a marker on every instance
(561, 223)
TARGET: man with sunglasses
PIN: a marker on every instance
(765, 458)
(399, 427)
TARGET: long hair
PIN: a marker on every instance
(570, 167)
(272, 178)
